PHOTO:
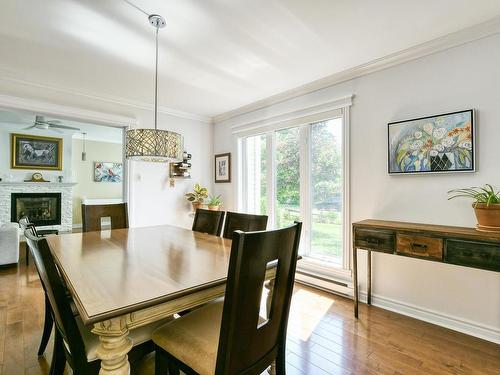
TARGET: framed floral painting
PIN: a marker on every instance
(433, 144)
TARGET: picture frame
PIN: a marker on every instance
(442, 143)
(223, 168)
(36, 152)
(105, 171)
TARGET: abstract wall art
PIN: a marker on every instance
(433, 144)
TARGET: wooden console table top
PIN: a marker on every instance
(445, 230)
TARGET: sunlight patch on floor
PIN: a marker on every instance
(316, 308)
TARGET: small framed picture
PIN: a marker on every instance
(35, 152)
(108, 171)
(434, 144)
(223, 167)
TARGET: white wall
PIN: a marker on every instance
(154, 202)
(460, 78)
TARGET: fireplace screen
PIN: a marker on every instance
(40, 208)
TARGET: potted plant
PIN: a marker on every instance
(214, 203)
(197, 196)
(486, 206)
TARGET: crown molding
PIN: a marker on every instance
(445, 42)
(12, 76)
(70, 113)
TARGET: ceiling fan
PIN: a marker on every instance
(42, 124)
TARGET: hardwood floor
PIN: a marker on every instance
(323, 337)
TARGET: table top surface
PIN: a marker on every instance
(445, 230)
(114, 272)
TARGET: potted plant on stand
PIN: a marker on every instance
(197, 196)
(486, 206)
(214, 203)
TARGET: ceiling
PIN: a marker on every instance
(215, 55)
(20, 122)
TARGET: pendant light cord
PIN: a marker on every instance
(156, 81)
(136, 7)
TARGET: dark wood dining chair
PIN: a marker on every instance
(93, 213)
(243, 222)
(208, 221)
(74, 343)
(228, 337)
(48, 322)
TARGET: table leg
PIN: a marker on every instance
(114, 346)
(369, 277)
(270, 287)
(355, 277)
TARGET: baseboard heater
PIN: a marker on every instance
(324, 283)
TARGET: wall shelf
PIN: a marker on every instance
(181, 170)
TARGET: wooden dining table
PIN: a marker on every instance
(122, 279)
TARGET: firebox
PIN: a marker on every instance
(40, 208)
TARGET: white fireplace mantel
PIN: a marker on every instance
(65, 188)
(29, 183)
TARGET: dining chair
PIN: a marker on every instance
(48, 322)
(208, 221)
(243, 222)
(74, 343)
(228, 336)
(93, 213)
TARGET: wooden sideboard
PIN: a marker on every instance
(460, 246)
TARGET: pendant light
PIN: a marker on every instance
(84, 152)
(154, 144)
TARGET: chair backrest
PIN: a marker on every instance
(25, 223)
(59, 301)
(92, 214)
(243, 222)
(208, 221)
(245, 344)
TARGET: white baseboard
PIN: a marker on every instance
(457, 324)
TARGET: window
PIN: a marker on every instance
(326, 191)
(297, 173)
(255, 174)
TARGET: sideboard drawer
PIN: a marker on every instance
(482, 255)
(420, 246)
(378, 240)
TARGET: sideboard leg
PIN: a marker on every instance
(369, 277)
(355, 277)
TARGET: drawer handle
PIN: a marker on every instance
(484, 255)
(373, 241)
(467, 253)
(418, 247)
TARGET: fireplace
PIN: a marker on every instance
(41, 208)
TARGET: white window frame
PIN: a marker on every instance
(303, 119)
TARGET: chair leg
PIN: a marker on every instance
(161, 362)
(27, 254)
(172, 369)
(47, 327)
(281, 362)
(58, 357)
